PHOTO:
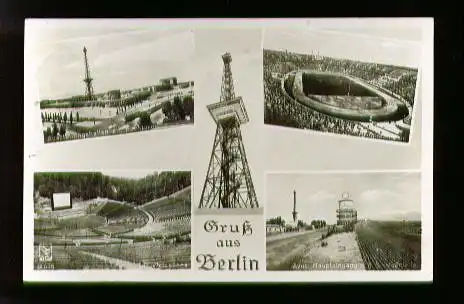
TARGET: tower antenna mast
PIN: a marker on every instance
(228, 182)
(88, 79)
(294, 213)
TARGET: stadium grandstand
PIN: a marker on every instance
(281, 108)
(102, 232)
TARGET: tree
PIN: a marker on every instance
(62, 130)
(91, 184)
(48, 132)
(70, 118)
(276, 221)
(318, 223)
(145, 120)
(42, 116)
(65, 117)
(55, 130)
(77, 116)
(188, 106)
(167, 109)
(178, 108)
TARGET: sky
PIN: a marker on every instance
(352, 44)
(376, 196)
(122, 58)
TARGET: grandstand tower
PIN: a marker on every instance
(347, 215)
(88, 80)
(228, 181)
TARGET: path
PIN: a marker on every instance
(151, 219)
(285, 235)
(121, 263)
(119, 119)
(153, 226)
(281, 252)
(341, 252)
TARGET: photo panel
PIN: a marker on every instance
(228, 209)
(341, 82)
(118, 220)
(96, 79)
(350, 221)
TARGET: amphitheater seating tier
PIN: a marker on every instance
(171, 208)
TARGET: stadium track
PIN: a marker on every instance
(393, 109)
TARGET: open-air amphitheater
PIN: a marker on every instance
(373, 245)
(103, 233)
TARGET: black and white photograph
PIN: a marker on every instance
(343, 221)
(112, 220)
(228, 221)
(98, 81)
(341, 83)
(229, 101)
(224, 150)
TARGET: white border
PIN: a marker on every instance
(30, 147)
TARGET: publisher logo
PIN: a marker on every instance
(45, 253)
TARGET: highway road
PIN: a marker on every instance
(283, 251)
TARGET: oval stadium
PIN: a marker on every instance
(342, 96)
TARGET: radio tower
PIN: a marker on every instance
(294, 213)
(87, 79)
(228, 181)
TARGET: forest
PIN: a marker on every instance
(301, 224)
(178, 109)
(88, 185)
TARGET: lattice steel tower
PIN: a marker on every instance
(88, 79)
(228, 180)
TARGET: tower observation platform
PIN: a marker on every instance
(231, 109)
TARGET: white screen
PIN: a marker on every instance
(61, 200)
